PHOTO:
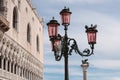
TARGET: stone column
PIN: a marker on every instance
(30, 75)
(10, 66)
(2, 63)
(17, 70)
(84, 67)
(20, 71)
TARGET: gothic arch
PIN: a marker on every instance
(16, 60)
(37, 43)
(15, 68)
(15, 18)
(8, 66)
(28, 33)
(4, 63)
(12, 64)
(0, 61)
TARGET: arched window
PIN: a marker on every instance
(15, 18)
(8, 66)
(0, 62)
(23, 72)
(15, 68)
(37, 43)
(3, 8)
(1, 3)
(12, 67)
(4, 64)
(28, 33)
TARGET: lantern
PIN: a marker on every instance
(53, 28)
(65, 16)
(55, 44)
(53, 31)
(91, 34)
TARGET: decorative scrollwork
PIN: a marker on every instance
(72, 46)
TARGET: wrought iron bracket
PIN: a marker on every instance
(71, 44)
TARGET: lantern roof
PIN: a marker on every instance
(65, 10)
(53, 21)
(91, 29)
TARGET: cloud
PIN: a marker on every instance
(54, 70)
(106, 61)
(106, 64)
(84, 1)
(115, 78)
(108, 31)
(107, 46)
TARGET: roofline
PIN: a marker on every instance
(41, 20)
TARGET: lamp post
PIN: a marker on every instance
(64, 45)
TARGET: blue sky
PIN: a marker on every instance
(105, 63)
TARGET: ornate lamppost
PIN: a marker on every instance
(64, 45)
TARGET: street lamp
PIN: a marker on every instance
(64, 45)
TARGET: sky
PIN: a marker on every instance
(105, 63)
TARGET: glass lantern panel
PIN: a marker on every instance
(57, 45)
(65, 18)
(53, 30)
(91, 37)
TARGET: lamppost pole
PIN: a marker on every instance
(66, 55)
(63, 45)
(66, 67)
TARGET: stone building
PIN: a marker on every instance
(21, 48)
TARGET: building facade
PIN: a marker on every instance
(21, 48)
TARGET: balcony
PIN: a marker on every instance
(4, 24)
(10, 76)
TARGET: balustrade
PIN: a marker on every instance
(14, 61)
